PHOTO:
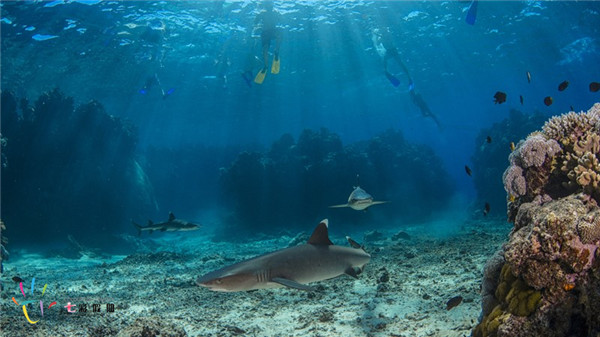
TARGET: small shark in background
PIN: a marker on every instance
(317, 260)
(359, 200)
(171, 225)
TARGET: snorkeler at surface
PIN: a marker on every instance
(382, 40)
(267, 21)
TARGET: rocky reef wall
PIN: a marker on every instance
(294, 182)
(68, 169)
(546, 279)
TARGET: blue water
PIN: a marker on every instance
(331, 77)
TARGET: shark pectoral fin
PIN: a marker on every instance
(379, 202)
(352, 272)
(292, 284)
(353, 243)
(339, 206)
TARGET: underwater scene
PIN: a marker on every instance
(300, 168)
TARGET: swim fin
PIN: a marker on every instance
(260, 77)
(395, 82)
(472, 13)
(275, 65)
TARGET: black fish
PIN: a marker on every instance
(521, 99)
(468, 170)
(486, 209)
(571, 108)
(499, 97)
(528, 77)
(17, 279)
(488, 139)
(594, 86)
(548, 100)
(563, 85)
(454, 301)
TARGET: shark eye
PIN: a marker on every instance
(218, 281)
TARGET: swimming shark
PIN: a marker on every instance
(317, 260)
(359, 199)
(171, 225)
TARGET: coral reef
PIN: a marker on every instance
(295, 181)
(560, 160)
(489, 158)
(69, 169)
(549, 281)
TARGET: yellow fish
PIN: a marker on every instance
(511, 198)
(512, 146)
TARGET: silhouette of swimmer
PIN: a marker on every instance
(418, 100)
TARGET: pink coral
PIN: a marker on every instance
(534, 151)
(514, 181)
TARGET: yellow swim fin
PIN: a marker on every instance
(260, 77)
(275, 65)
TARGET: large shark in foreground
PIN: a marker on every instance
(359, 199)
(171, 225)
(293, 267)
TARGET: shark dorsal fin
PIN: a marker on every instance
(321, 234)
(171, 216)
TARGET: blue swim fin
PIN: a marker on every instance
(472, 13)
(395, 82)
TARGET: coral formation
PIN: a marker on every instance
(560, 160)
(548, 285)
(74, 165)
(489, 158)
(296, 180)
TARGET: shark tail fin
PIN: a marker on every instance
(139, 228)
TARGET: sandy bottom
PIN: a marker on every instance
(402, 292)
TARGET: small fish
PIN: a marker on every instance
(468, 170)
(563, 85)
(528, 77)
(512, 198)
(572, 109)
(594, 86)
(512, 146)
(17, 279)
(453, 302)
(486, 209)
(548, 100)
(568, 286)
(521, 99)
(488, 139)
(499, 97)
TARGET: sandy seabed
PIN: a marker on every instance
(403, 291)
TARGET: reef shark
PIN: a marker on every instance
(359, 199)
(317, 260)
(171, 225)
